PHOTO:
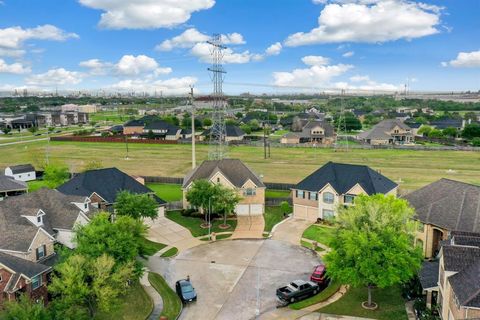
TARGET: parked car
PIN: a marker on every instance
(319, 275)
(297, 290)
(185, 291)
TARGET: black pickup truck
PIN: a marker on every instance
(297, 290)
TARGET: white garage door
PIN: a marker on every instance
(249, 209)
(242, 209)
(256, 209)
(305, 213)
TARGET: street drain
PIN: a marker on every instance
(213, 261)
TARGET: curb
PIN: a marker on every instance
(290, 217)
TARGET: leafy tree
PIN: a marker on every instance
(90, 284)
(347, 122)
(435, 133)
(121, 239)
(55, 175)
(135, 205)
(33, 129)
(225, 199)
(254, 125)
(285, 207)
(471, 131)
(25, 309)
(93, 123)
(246, 128)
(450, 132)
(50, 129)
(200, 195)
(150, 134)
(373, 245)
(207, 122)
(472, 116)
(187, 121)
(476, 142)
(239, 115)
(6, 130)
(425, 130)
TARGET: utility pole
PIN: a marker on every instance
(194, 161)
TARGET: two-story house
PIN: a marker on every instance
(390, 131)
(314, 131)
(234, 174)
(30, 224)
(162, 130)
(318, 195)
(441, 207)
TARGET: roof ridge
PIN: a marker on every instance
(461, 208)
(477, 292)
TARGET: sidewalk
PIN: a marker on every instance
(156, 298)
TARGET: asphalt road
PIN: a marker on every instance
(236, 279)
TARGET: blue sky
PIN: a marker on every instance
(273, 45)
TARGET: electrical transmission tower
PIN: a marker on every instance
(218, 134)
(342, 123)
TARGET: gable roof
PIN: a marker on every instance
(10, 184)
(342, 177)
(449, 204)
(327, 127)
(134, 123)
(456, 258)
(446, 123)
(230, 131)
(161, 125)
(21, 266)
(381, 130)
(17, 232)
(466, 285)
(233, 169)
(104, 182)
(22, 168)
(428, 274)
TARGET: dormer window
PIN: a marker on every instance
(85, 206)
(40, 219)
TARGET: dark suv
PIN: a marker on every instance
(185, 291)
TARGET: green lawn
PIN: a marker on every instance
(272, 216)
(277, 193)
(167, 192)
(320, 234)
(171, 302)
(391, 305)
(322, 296)
(151, 247)
(193, 224)
(170, 253)
(308, 245)
(411, 168)
(36, 184)
(135, 305)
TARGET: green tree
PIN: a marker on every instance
(207, 122)
(476, 142)
(225, 200)
(6, 130)
(425, 130)
(239, 115)
(347, 122)
(50, 129)
(450, 132)
(25, 309)
(373, 245)
(187, 121)
(55, 175)
(89, 283)
(200, 195)
(472, 116)
(471, 131)
(135, 205)
(435, 133)
(254, 125)
(246, 128)
(150, 134)
(33, 129)
(285, 207)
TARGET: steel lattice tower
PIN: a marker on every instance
(218, 134)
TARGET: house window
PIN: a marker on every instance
(41, 251)
(312, 196)
(249, 192)
(218, 179)
(300, 194)
(85, 205)
(40, 219)
(36, 282)
(348, 199)
(328, 197)
(327, 213)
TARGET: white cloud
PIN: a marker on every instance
(274, 49)
(190, 37)
(348, 54)
(15, 68)
(370, 21)
(465, 60)
(319, 74)
(202, 51)
(359, 78)
(146, 14)
(315, 60)
(12, 39)
(128, 65)
(364, 83)
(96, 67)
(169, 86)
(55, 77)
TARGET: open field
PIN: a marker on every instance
(411, 168)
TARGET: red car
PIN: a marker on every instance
(319, 275)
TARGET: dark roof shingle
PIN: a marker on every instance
(22, 266)
(22, 168)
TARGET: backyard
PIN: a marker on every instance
(167, 192)
(412, 169)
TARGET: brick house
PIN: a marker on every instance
(318, 195)
(231, 173)
(391, 131)
(313, 131)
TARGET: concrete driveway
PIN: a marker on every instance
(249, 227)
(291, 230)
(235, 279)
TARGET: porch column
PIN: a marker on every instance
(429, 299)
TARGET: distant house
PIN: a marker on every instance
(318, 195)
(360, 114)
(392, 131)
(10, 187)
(133, 127)
(22, 172)
(233, 133)
(118, 129)
(415, 126)
(314, 131)
(234, 174)
(458, 124)
(444, 206)
(162, 130)
(102, 186)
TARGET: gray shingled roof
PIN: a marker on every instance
(9, 184)
(327, 127)
(429, 274)
(17, 232)
(466, 285)
(233, 169)
(104, 182)
(342, 177)
(230, 131)
(456, 258)
(449, 204)
(22, 266)
(381, 129)
(22, 168)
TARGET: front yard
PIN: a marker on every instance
(193, 223)
(171, 303)
(319, 233)
(391, 305)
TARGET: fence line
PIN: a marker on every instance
(112, 139)
(277, 201)
(174, 205)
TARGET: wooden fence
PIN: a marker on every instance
(112, 139)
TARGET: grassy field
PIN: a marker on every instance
(273, 215)
(391, 305)
(412, 169)
(277, 193)
(320, 234)
(167, 192)
(193, 224)
(135, 305)
(151, 247)
(170, 253)
(171, 302)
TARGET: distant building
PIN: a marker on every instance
(392, 131)
(162, 130)
(233, 133)
(458, 124)
(10, 187)
(314, 131)
(22, 172)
